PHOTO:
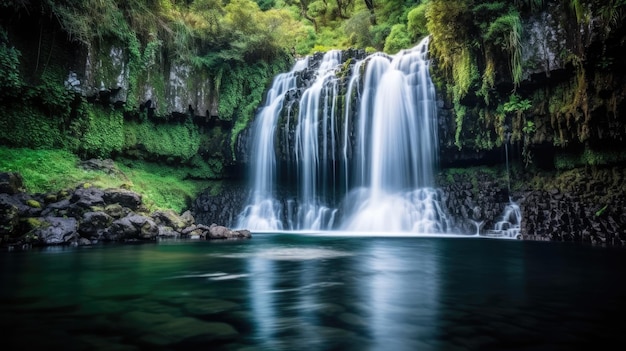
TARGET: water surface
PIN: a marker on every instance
(313, 292)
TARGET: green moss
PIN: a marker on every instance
(44, 171)
(162, 187)
(98, 131)
(589, 157)
(28, 126)
(505, 33)
(33, 203)
(32, 223)
(241, 91)
(472, 175)
(175, 140)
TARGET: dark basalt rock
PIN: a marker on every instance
(125, 198)
(221, 232)
(86, 215)
(133, 226)
(94, 224)
(56, 231)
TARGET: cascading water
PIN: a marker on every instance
(509, 225)
(363, 149)
(263, 211)
(315, 146)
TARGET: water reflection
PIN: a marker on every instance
(288, 288)
(378, 296)
(401, 294)
(288, 292)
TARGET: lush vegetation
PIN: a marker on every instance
(233, 48)
(46, 171)
(478, 48)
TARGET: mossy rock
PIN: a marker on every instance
(51, 198)
(115, 211)
(30, 226)
(33, 203)
(31, 223)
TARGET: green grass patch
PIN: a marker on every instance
(162, 186)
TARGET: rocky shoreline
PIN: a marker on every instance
(88, 215)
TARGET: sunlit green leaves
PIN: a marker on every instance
(417, 22)
(397, 40)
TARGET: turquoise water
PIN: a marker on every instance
(312, 292)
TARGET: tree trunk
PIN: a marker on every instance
(370, 6)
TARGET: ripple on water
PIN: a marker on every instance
(289, 254)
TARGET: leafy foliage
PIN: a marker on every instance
(505, 33)
(99, 132)
(10, 79)
(179, 141)
(417, 22)
(397, 40)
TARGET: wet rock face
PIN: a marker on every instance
(224, 207)
(100, 72)
(474, 202)
(566, 216)
(583, 206)
(86, 215)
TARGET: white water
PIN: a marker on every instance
(263, 211)
(315, 145)
(363, 167)
(509, 225)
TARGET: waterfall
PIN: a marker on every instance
(398, 142)
(263, 210)
(362, 143)
(509, 225)
(315, 145)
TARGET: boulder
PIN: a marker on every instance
(56, 231)
(221, 232)
(58, 209)
(88, 197)
(94, 224)
(133, 226)
(116, 211)
(95, 164)
(125, 198)
(168, 232)
(171, 219)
